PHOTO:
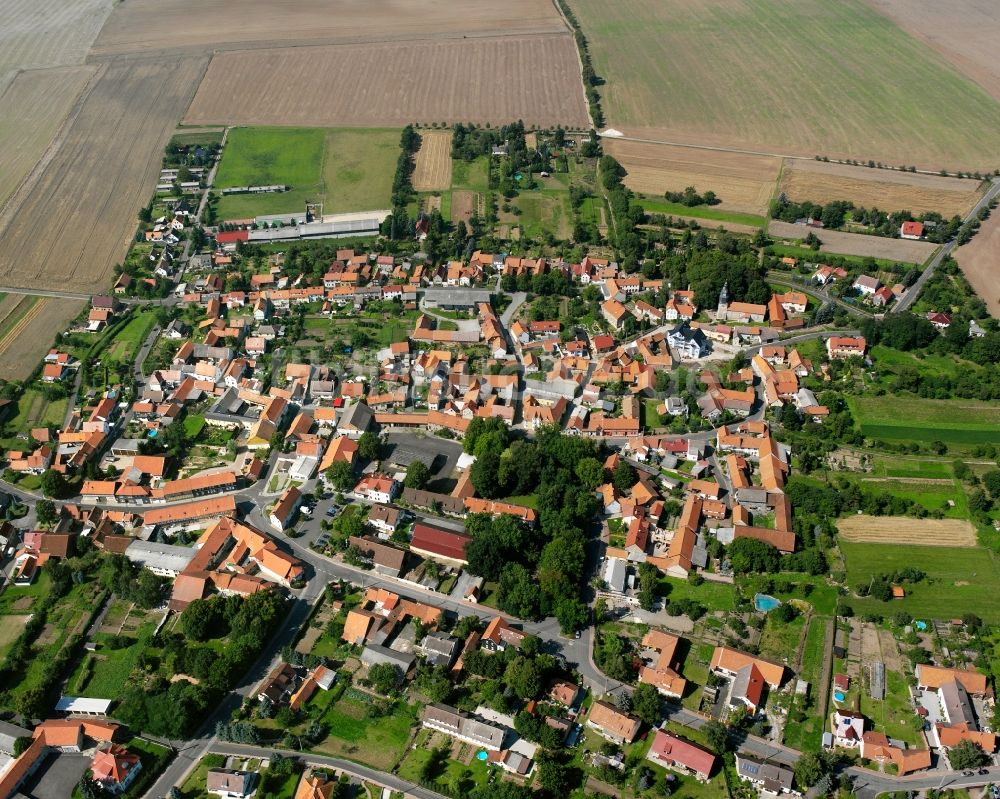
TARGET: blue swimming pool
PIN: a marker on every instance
(481, 755)
(839, 696)
(764, 603)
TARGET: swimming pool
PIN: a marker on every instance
(764, 603)
(481, 755)
(839, 696)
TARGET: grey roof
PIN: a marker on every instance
(460, 724)
(215, 353)
(358, 416)
(403, 455)
(10, 733)
(160, 556)
(375, 653)
(456, 296)
(615, 574)
(751, 496)
(956, 702)
(440, 648)
(771, 774)
(229, 780)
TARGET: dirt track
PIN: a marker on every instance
(67, 229)
(915, 252)
(394, 84)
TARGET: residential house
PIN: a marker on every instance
(616, 725)
(768, 777)
(284, 510)
(439, 544)
(675, 753)
(115, 768)
(229, 783)
(464, 727)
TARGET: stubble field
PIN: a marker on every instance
(743, 183)
(209, 25)
(47, 33)
(432, 164)
(477, 80)
(32, 109)
(67, 229)
(834, 241)
(28, 327)
(965, 32)
(904, 530)
(807, 77)
(887, 190)
(980, 263)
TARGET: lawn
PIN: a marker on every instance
(453, 770)
(960, 580)
(911, 466)
(528, 500)
(346, 169)
(471, 175)
(808, 735)
(103, 673)
(128, 340)
(193, 425)
(807, 254)
(653, 205)
(356, 735)
(652, 55)
(915, 419)
(780, 640)
(34, 410)
(713, 595)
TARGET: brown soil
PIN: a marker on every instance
(23, 351)
(393, 84)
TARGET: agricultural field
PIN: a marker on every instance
(70, 226)
(822, 182)
(744, 183)
(399, 83)
(32, 110)
(908, 531)
(24, 342)
(913, 419)
(432, 163)
(959, 579)
(979, 263)
(964, 32)
(48, 33)
(672, 68)
(201, 27)
(860, 244)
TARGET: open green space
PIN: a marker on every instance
(915, 419)
(907, 113)
(102, 673)
(807, 254)
(356, 733)
(470, 175)
(345, 169)
(711, 594)
(34, 410)
(807, 735)
(959, 580)
(780, 640)
(131, 337)
(653, 205)
(911, 466)
(202, 137)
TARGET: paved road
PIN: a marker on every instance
(911, 294)
(817, 292)
(516, 301)
(390, 781)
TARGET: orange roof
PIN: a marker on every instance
(732, 660)
(614, 721)
(953, 734)
(215, 506)
(476, 505)
(782, 540)
(934, 677)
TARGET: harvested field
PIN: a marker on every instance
(743, 182)
(66, 229)
(730, 73)
(907, 530)
(965, 32)
(23, 348)
(392, 85)
(912, 252)
(208, 25)
(49, 33)
(32, 109)
(880, 188)
(463, 205)
(980, 263)
(432, 165)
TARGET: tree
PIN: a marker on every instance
(716, 735)
(54, 484)
(967, 755)
(750, 555)
(200, 619)
(978, 501)
(417, 475)
(623, 477)
(523, 677)
(808, 770)
(590, 473)
(383, 677)
(646, 703)
(341, 476)
(992, 482)
(88, 787)
(571, 613)
(369, 446)
(46, 512)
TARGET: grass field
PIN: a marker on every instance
(130, 338)
(910, 466)
(780, 640)
(346, 169)
(672, 68)
(715, 596)
(914, 419)
(377, 742)
(960, 579)
(655, 206)
(103, 673)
